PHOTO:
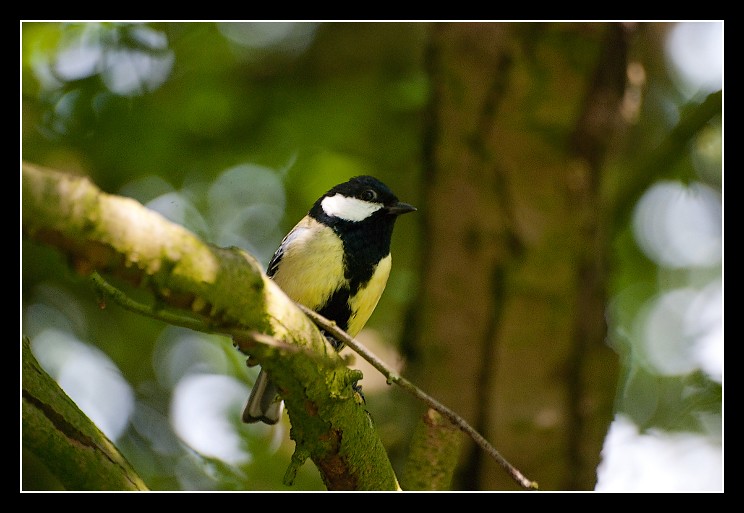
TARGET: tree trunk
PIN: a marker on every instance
(509, 327)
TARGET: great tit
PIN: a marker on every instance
(335, 261)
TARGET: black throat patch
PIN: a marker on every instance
(365, 244)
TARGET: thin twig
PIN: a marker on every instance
(105, 289)
(392, 377)
(243, 339)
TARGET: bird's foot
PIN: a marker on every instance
(337, 344)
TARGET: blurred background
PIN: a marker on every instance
(567, 301)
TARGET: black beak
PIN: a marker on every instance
(400, 208)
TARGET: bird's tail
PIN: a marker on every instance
(264, 404)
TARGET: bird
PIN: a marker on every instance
(335, 261)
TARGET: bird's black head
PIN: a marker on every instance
(359, 199)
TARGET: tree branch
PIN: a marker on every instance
(60, 435)
(226, 288)
(435, 450)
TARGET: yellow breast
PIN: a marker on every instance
(312, 265)
(312, 269)
(364, 303)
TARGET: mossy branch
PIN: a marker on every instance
(68, 442)
(226, 289)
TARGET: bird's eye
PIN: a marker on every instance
(369, 195)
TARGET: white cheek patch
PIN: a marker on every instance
(349, 209)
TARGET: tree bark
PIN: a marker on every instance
(509, 328)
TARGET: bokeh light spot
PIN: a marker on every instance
(202, 407)
(679, 226)
(89, 377)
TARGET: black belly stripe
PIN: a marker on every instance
(337, 308)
